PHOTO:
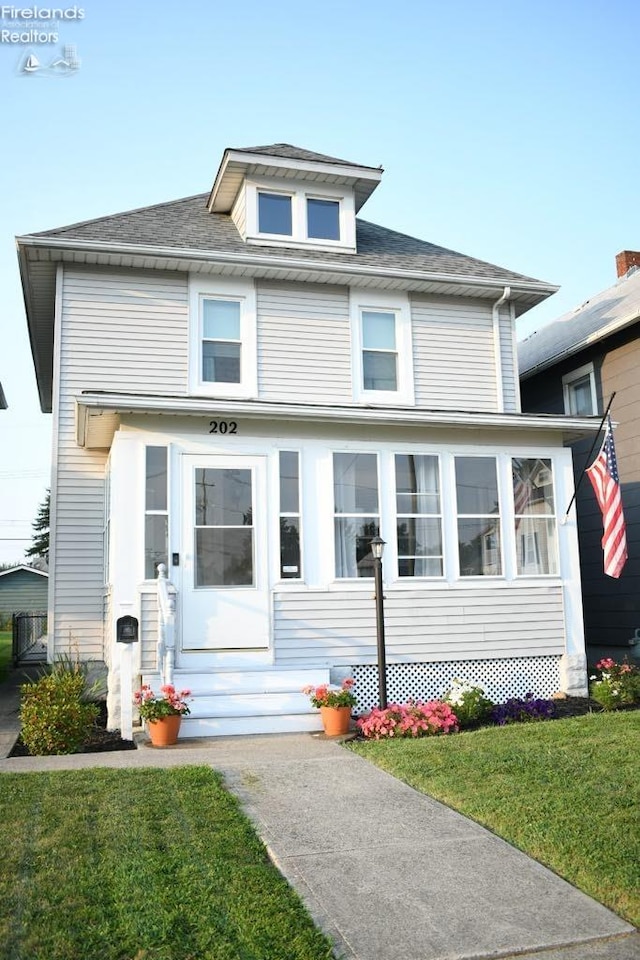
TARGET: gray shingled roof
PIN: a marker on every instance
(288, 151)
(604, 313)
(187, 225)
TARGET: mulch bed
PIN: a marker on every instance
(100, 741)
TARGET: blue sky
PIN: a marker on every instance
(507, 130)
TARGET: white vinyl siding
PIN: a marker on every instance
(119, 332)
(508, 354)
(304, 343)
(454, 355)
(239, 212)
(420, 625)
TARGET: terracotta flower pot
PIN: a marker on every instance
(164, 732)
(335, 720)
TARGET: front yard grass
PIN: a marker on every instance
(6, 640)
(140, 865)
(566, 792)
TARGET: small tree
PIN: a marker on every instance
(40, 537)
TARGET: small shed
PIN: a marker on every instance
(23, 589)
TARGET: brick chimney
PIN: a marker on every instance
(627, 259)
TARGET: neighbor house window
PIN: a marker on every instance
(535, 519)
(323, 219)
(156, 520)
(419, 522)
(290, 561)
(221, 341)
(379, 351)
(357, 518)
(579, 389)
(274, 214)
(478, 517)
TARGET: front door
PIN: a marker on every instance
(224, 597)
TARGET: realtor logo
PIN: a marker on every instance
(61, 65)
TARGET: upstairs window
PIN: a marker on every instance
(222, 337)
(323, 219)
(579, 387)
(274, 214)
(221, 341)
(379, 353)
(478, 517)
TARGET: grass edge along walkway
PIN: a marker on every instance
(563, 791)
(141, 864)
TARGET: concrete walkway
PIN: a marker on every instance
(388, 873)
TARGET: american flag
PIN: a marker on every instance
(603, 474)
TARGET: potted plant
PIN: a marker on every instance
(335, 705)
(162, 713)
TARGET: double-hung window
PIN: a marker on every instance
(221, 341)
(479, 545)
(535, 520)
(223, 347)
(418, 516)
(356, 513)
(579, 388)
(382, 348)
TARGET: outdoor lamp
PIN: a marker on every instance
(377, 546)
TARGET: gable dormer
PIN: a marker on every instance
(281, 195)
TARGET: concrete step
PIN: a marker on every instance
(271, 680)
(248, 726)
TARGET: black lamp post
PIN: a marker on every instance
(377, 547)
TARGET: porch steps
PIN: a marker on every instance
(234, 703)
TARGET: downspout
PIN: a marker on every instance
(495, 310)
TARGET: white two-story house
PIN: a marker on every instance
(247, 386)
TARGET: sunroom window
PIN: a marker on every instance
(419, 522)
(479, 546)
(156, 520)
(535, 520)
(290, 559)
(357, 517)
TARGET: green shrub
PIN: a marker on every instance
(616, 685)
(54, 713)
(468, 702)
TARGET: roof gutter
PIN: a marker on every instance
(174, 253)
(495, 313)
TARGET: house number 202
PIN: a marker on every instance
(223, 426)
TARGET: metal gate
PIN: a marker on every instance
(29, 638)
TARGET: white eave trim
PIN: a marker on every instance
(203, 407)
(281, 263)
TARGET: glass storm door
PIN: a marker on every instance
(224, 597)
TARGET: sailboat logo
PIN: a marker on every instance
(62, 65)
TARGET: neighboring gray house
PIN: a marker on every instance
(247, 386)
(573, 366)
(23, 590)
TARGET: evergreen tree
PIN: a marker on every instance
(40, 545)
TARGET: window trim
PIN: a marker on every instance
(569, 379)
(363, 301)
(223, 288)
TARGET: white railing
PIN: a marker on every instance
(166, 645)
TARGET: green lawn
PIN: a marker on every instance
(567, 792)
(5, 652)
(140, 865)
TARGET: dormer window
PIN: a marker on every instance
(323, 219)
(282, 212)
(274, 213)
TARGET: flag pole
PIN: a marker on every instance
(588, 460)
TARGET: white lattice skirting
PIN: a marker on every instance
(500, 679)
